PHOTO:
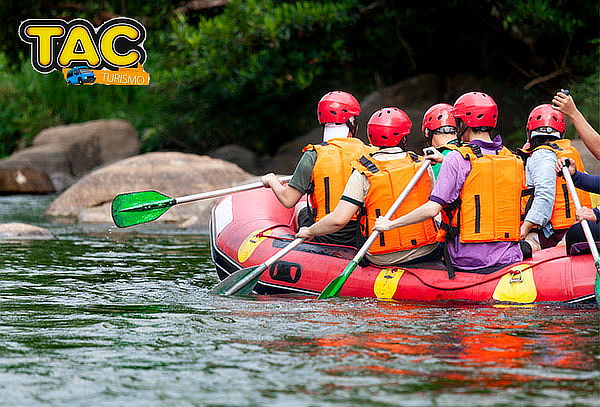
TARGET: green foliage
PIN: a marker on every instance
(247, 72)
(13, 12)
(557, 32)
(251, 72)
(31, 102)
(585, 93)
(541, 17)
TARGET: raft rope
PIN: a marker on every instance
(408, 271)
(529, 266)
(289, 239)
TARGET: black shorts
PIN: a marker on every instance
(349, 235)
(575, 236)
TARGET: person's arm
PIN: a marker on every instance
(581, 180)
(587, 182)
(331, 223)
(590, 137)
(542, 176)
(287, 195)
(447, 189)
(426, 211)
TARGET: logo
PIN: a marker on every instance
(112, 54)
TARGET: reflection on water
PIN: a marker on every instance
(105, 319)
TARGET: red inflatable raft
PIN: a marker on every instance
(249, 227)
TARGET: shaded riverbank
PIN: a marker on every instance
(103, 318)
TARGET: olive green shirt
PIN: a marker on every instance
(302, 182)
(302, 177)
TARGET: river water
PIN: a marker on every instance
(100, 317)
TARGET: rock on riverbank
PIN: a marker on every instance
(173, 174)
(24, 231)
(60, 155)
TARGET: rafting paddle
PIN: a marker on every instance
(586, 230)
(242, 282)
(335, 286)
(134, 208)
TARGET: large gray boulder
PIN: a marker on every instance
(24, 180)
(23, 231)
(173, 174)
(66, 153)
(239, 155)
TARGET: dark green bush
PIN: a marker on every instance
(31, 102)
(248, 76)
(251, 72)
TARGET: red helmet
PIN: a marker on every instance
(388, 126)
(337, 107)
(438, 116)
(476, 109)
(546, 116)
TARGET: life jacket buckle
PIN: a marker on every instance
(516, 278)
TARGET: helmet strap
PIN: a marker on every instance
(352, 124)
(402, 144)
(428, 136)
(461, 129)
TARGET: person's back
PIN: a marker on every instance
(323, 169)
(331, 171)
(387, 172)
(479, 188)
(379, 177)
(547, 209)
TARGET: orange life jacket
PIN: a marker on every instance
(448, 146)
(331, 172)
(488, 208)
(387, 179)
(563, 213)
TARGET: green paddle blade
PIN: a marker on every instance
(597, 284)
(597, 291)
(139, 207)
(333, 289)
(241, 282)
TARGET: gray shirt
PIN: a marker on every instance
(541, 175)
(302, 177)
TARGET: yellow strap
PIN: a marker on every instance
(251, 243)
(386, 283)
(517, 285)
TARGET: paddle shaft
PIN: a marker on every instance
(260, 269)
(224, 191)
(584, 223)
(393, 208)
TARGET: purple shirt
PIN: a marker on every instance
(452, 176)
